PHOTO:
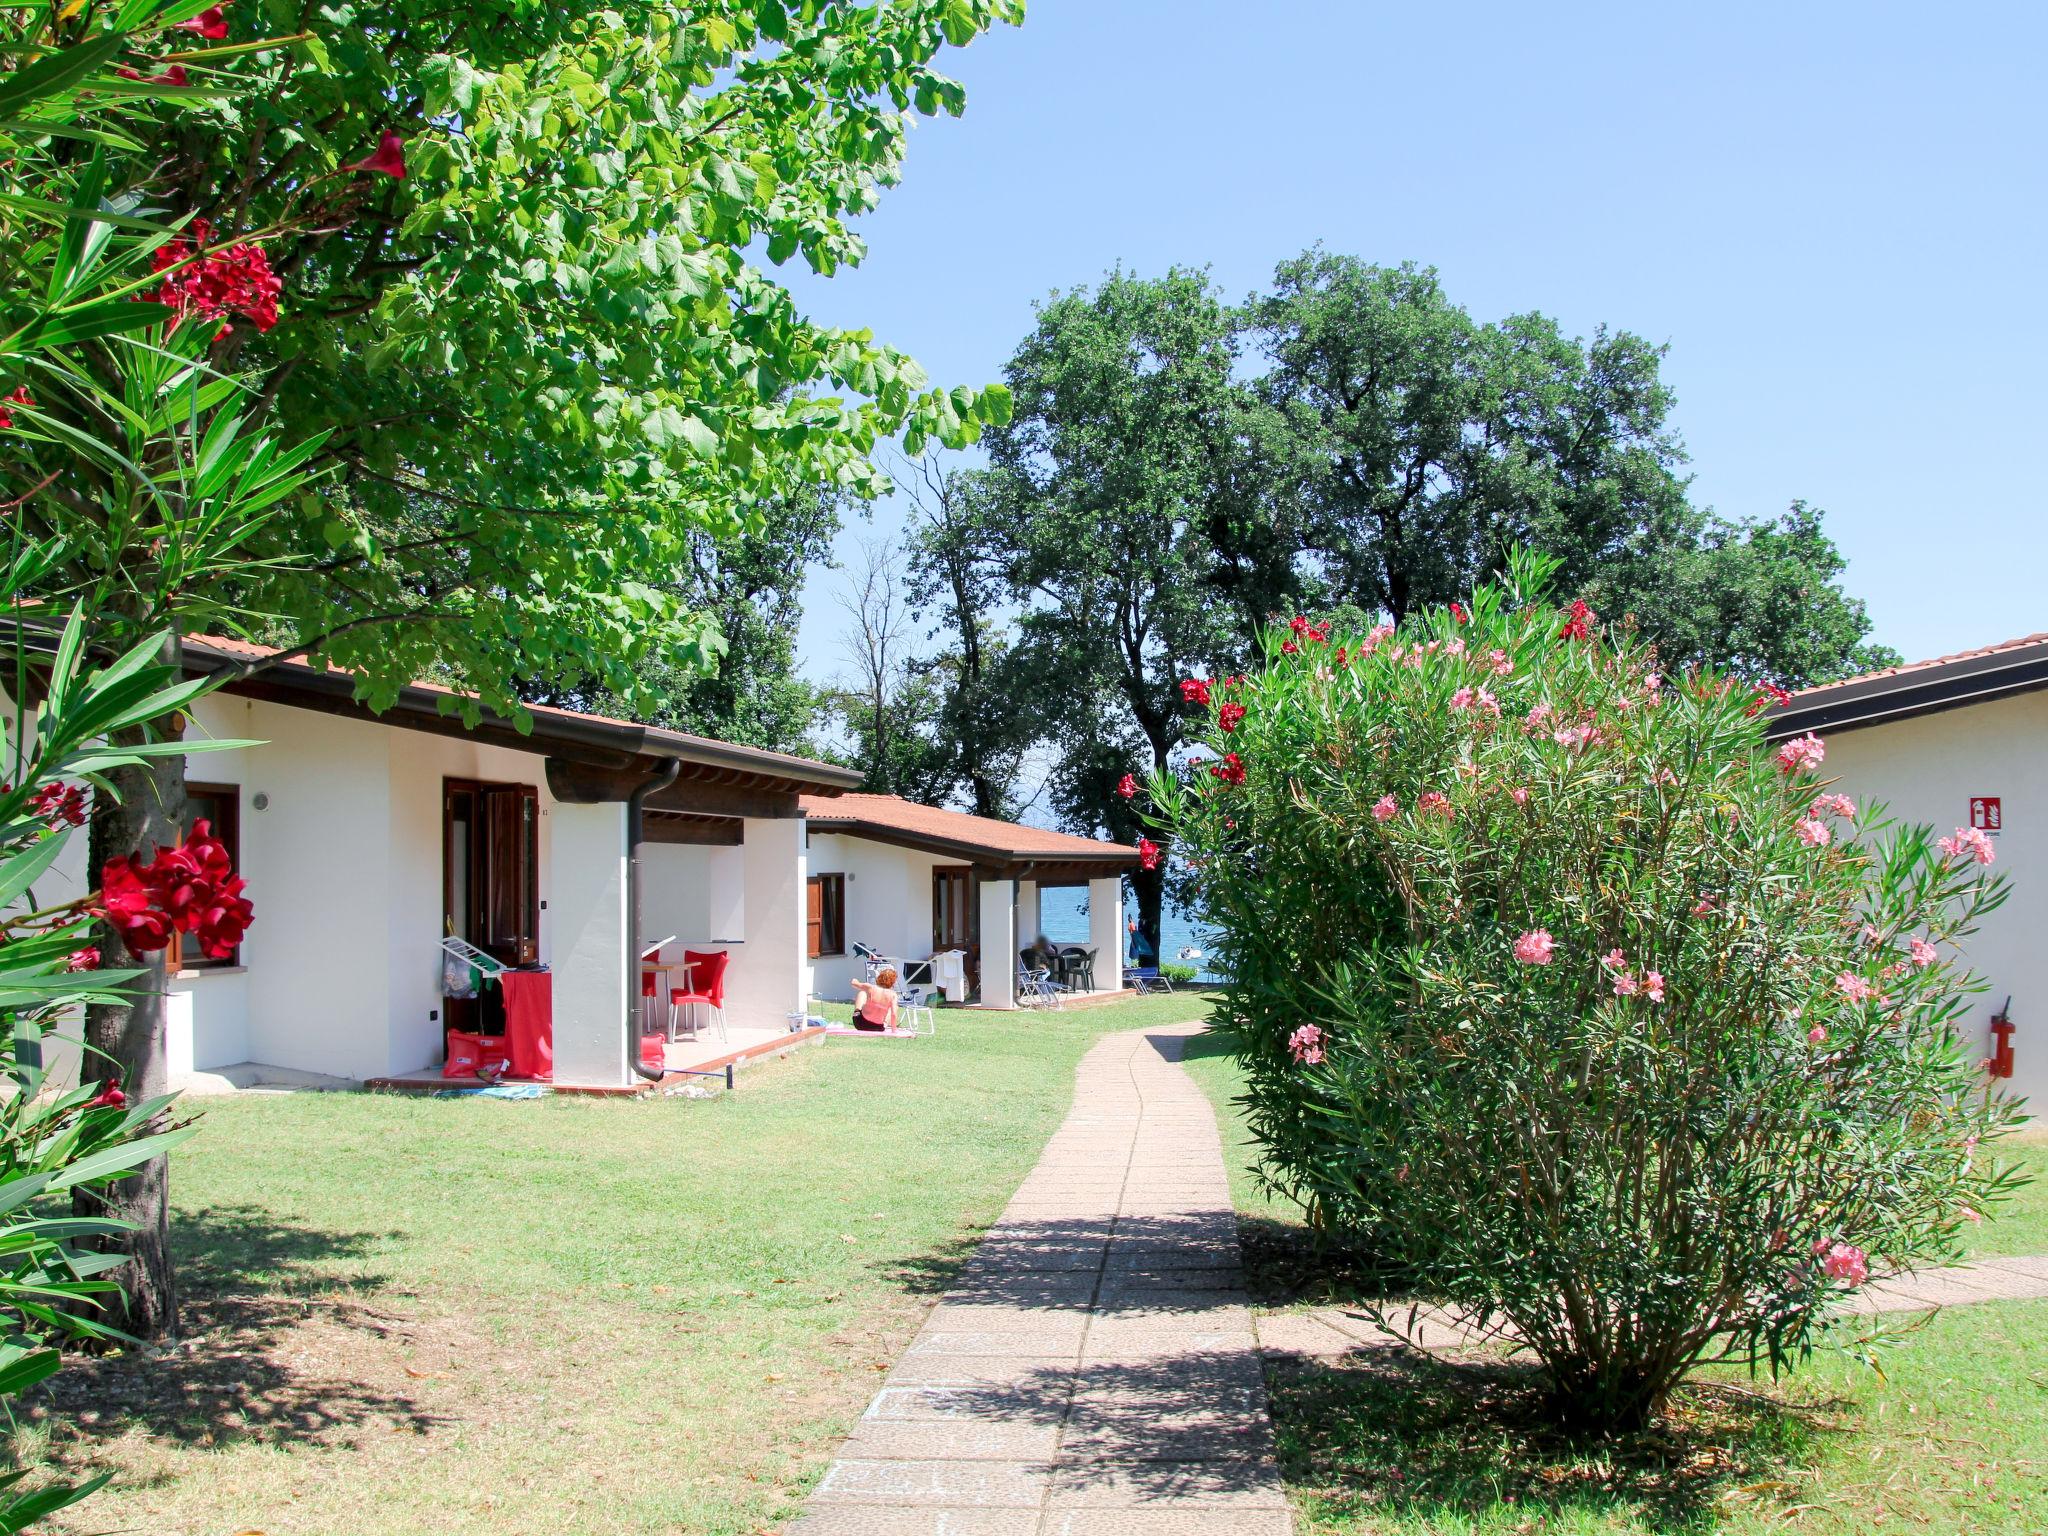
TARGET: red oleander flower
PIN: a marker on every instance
(1195, 690)
(109, 1097)
(1289, 648)
(1578, 622)
(1148, 853)
(1767, 694)
(191, 888)
(175, 75)
(60, 804)
(87, 959)
(1127, 786)
(1229, 716)
(389, 160)
(1458, 612)
(1229, 770)
(20, 397)
(234, 281)
(211, 23)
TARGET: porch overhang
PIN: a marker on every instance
(1064, 868)
(589, 758)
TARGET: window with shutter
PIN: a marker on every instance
(825, 915)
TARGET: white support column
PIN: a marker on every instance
(764, 981)
(587, 903)
(1030, 918)
(999, 943)
(1106, 931)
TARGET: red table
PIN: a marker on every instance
(530, 1023)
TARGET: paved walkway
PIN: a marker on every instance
(1095, 1373)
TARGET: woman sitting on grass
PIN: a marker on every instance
(874, 1002)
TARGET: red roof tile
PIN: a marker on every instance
(1903, 668)
(887, 814)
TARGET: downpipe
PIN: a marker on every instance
(635, 804)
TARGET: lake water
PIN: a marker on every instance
(1063, 910)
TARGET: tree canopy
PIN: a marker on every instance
(526, 314)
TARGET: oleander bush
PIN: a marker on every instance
(1575, 1000)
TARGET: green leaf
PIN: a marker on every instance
(55, 73)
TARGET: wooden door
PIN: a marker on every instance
(956, 916)
(490, 884)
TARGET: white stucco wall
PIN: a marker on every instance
(588, 904)
(1106, 931)
(764, 980)
(1000, 942)
(1927, 769)
(888, 905)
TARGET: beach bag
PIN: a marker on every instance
(464, 1051)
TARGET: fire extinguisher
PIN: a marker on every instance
(2001, 1033)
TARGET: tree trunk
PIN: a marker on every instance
(1149, 886)
(125, 1044)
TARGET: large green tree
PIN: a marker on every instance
(1140, 540)
(1429, 443)
(547, 357)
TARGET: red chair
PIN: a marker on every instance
(706, 990)
(650, 992)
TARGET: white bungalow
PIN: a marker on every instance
(912, 882)
(367, 837)
(1962, 741)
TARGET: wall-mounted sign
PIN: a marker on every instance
(1986, 815)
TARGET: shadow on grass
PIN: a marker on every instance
(271, 1348)
(1394, 1437)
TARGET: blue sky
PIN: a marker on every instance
(1833, 214)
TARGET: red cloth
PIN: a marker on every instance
(530, 1023)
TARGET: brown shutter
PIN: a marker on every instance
(814, 918)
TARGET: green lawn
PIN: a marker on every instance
(565, 1315)
(1954, 1437)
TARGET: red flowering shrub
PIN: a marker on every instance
(1578, 1005)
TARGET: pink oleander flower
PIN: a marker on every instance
(1519, 795)
(1846, 1263)
(1705, 905)
(1614, 960)
(1386, 808)
(1486, 702)
(1306, 1044)
(1968, 843)
(1538, 716)
(1835, 805)
(1434, 804)
(1653, 986)
(1462, 699)
(1922, 953)
(1536, 947)
(1813, 832)
(1854, 987)
(1498, 664)
(1970, 1214)
(1807, 752)
(1454, 647)
(1816, 1035)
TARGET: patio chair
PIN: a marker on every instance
(914, 1012)
(1081, 969)
(1035, 986)
(706, 991)
(1145, 979)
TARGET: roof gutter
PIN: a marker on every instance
(635, 811)
(1874, 701)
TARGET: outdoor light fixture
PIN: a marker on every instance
(260, 800)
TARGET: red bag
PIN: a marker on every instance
(464, 1051)
(651, 1052)
(493, 1056)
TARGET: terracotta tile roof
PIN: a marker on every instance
(651, 739)
(1903, 668)
(889, 814)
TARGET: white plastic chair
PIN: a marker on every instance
(914, 1011)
